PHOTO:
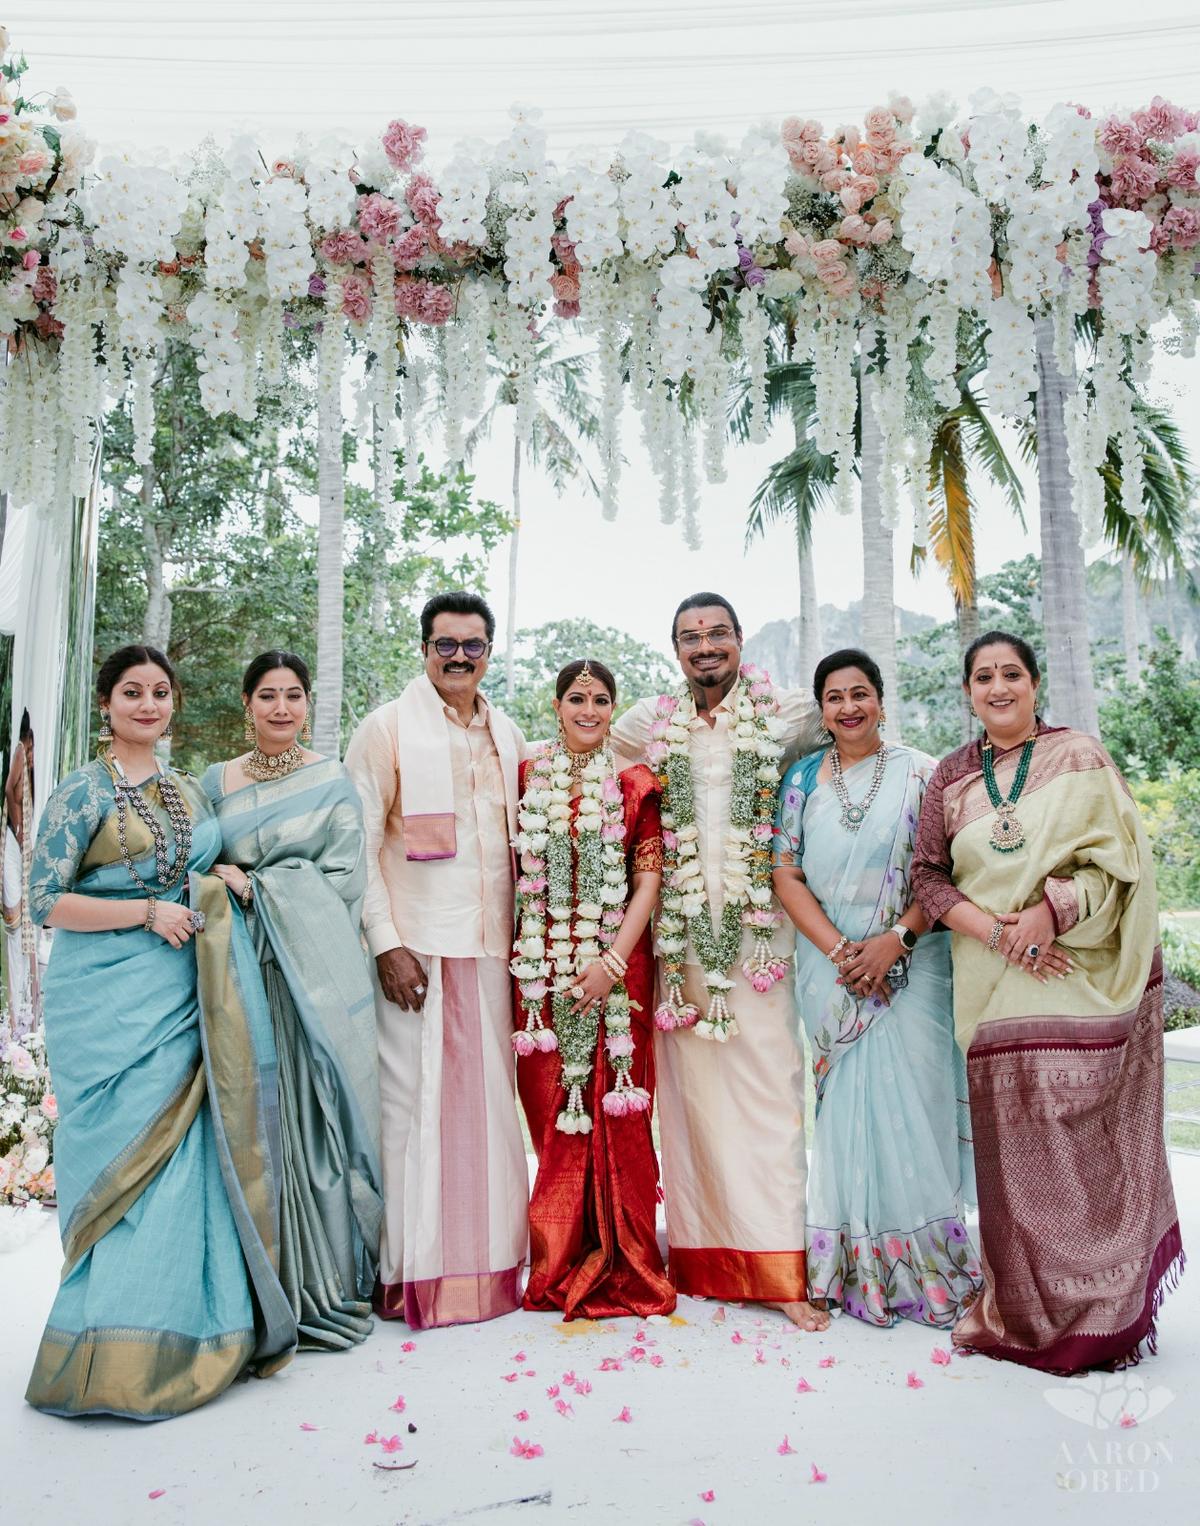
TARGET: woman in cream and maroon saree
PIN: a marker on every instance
(591, 850)
(1031, 850)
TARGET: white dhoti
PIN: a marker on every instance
(454, 1175)
(731, 1120)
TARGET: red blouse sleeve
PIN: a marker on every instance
(932, 869)
(647, 844)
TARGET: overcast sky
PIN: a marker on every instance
(163, 77)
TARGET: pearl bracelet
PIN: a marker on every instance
(837, 948)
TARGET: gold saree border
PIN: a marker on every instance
(137, 1374)
(777, 1276)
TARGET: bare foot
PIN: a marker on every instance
(803, 1314)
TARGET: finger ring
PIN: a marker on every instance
(419, 990)
(577, 992)
(196, 921)
(1033, 951)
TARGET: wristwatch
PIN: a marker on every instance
(908, 939)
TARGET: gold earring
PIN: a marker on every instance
(248, 723)
(105, 732)
(165, 736)
(882, 719)
(306, 729)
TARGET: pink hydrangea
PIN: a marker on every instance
(1118, 137)
(379, 217)
(423, 198)
(1134, 179)
(1182, 225)
(1182, 171)
(404, 144)
(411, 247)
(45, 287)
(344, 247)
(356, 297)
(1160, 120)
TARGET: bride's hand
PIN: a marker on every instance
(235, 879)
(595, 983)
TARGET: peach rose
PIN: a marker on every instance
(880, 123)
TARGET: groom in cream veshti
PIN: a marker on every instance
(731, 1115)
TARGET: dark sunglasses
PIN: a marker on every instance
(446, 646)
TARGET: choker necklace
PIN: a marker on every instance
(169, 872)
(1007, 833)
(577, 761)
(853, 815)
(260, 767)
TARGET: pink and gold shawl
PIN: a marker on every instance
(1079, 1230)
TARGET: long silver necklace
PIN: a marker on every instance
(853, 815)
(169, 872)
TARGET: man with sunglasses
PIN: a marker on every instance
(437, 773)
(731, 1115)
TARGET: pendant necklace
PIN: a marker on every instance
(1007, 835)
(261, 767)
(169, 872)
(854, 815)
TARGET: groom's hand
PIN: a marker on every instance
(402, 979)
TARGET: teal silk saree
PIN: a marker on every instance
(167, 1149)
(300, 839)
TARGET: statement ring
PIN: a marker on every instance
(197, 920)
(577, 992)
(1033, 951)
(418, 990)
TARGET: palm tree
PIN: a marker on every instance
(566, 417)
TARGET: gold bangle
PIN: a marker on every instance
(151, 909)
(247, 894)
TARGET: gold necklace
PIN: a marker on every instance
(261, 767)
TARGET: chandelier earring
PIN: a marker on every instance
(105, 733)
(882, 718)
(824, 736)
(248, 731)
(306, 729)
(165, 736)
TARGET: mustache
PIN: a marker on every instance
(458, 667)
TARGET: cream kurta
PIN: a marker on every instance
(454, 1173)
(732, 1115)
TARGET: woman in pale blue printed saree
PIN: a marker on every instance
(890, 1162)
(293, 855)
(166, 1153)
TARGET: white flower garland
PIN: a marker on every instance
(748, 901)
(570, 905)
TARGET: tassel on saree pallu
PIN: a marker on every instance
(1078, 1221)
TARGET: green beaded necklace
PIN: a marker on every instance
(1008, 835)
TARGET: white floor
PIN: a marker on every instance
(711, 1396)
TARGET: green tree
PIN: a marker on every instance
(1153, 726)
(541, 651)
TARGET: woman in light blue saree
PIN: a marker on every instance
(166, 1153)
(891, 1160)
(293, 855)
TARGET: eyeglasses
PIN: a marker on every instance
(473, 648)
(692, 641)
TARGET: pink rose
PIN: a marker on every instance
(825, 160)
(411, 247)
(344, 247)
(855, 230)
(423, 197)
(33, 162)
(356, 297)
(882, 231)
(880, 123)
(835, 180)
(796, 245)
(379, 217)
(1117, 137)
(404, 144)
(30, 260)
(283, 169)
(1160, 120)
(565, 287)
(1183, 169)
(902, 108)
(827, 251)
(17, 236)
(20, 1062)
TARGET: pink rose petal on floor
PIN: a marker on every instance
(639, 1335)
(530, 1372)
(940, 1357)
(522, 1415)
(816, 1476)
(409, 1346)
(370, 1439)
(708, 1496)
(399, 1405)
(611, 1364)
(391, 1444)
(656, 1360)
(784, 1362)
(568, 1379)
(625, 1416)
(719, 1317)
(307, 1425)
(636, 1354)
(736, 1338)
(564, 1409)
(785, 1448)
(582, 1386)
(521, 1448)
(156, 1494)
(1127, 1422)
(805, 1387)
(827, 1361)
(509, 1377)
(913, 1381)
(760, 1358)
(552, 1391)
(520, 1357)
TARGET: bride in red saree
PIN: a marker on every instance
(590, 848)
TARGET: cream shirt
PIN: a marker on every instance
(456, 908)
(712, 775)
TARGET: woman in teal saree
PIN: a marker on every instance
(166, 1152)
(293, 855)
(884, 1235)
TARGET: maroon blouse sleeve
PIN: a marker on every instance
(932, 870)
(647, 845)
